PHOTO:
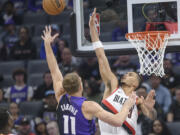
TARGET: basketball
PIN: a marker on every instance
(53, 7)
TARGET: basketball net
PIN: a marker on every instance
(150, 46)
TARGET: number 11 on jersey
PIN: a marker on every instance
(70, 119)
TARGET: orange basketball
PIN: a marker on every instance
(53, 7)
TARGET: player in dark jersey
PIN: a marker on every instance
(75, 114)
(6, 121)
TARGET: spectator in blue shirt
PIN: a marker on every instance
(9, 14)
(35, 5)
(163, 96)
(118, 33)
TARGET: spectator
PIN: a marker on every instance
(174, 57)
(119, 32)
(52, 128)
(174, 111)
(62, 43)
(89, 69)
(14, 110)
(9, 14)
(93, 91)
(25, 127)
(55, 29)
(159, 127)
(170, 80)
(35, 5)
(123, 65)
(6, 123)
(3, 53)
(70, 4)
(40, 126)
(1, 79)
(47, 85)
(144, 123)
(163, 96)
(24, 49)
(48, 112)
(10, 37)
(2, 100)
(19, 6)
(142, 91)
(87, 32)
(20, 91)
(69, 63)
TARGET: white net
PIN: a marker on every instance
(151, 48)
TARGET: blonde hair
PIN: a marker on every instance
(71, 83)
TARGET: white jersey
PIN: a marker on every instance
(114, 104)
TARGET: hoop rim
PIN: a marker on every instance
(151, 33)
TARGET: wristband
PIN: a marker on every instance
(97, 44)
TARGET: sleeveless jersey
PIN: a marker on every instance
(18, 95)
(71, 120)
(114, 104)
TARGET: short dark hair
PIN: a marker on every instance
(8, 3)
(71, 83)
(47, 72)
(140, 79)
(142, 87)
(24, 27)
(20, 71)
(4, 117)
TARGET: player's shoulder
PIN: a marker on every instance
(89, 105)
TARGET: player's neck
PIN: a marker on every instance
(77, 94)
(127, 90)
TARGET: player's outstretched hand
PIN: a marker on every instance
(47, 35)
(150, 101)
(92, 19)
(131, 100)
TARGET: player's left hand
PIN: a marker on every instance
(47, 35)
(150, 101)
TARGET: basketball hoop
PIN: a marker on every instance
(150, 46)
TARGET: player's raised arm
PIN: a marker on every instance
(108, 77)
(93, 109)
(52, 63)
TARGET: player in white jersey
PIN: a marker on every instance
(114, 96)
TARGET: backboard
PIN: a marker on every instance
(118, 17)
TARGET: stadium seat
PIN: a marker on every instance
(4, 105)
(37, 66)
(8, 81)
(37, 40)
(174, 128)
(68, 38)
(7, 68)
(63, 18)
(35, 18)
(38, 30)
(35, 79)
(66, 29)
(31, 108)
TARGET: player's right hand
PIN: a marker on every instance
(131, 100)
(92, 19)
(47, 35)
